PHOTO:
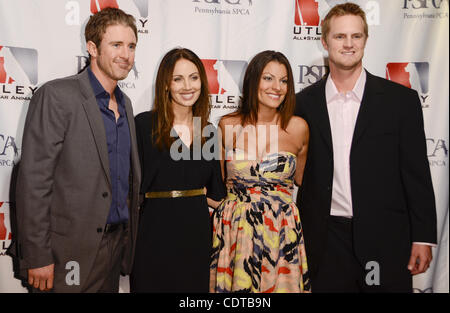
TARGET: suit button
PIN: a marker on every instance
(105, 194)
(99, 230)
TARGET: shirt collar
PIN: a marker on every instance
(98, 89)
(331, 91)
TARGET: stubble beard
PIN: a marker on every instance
(110, 72)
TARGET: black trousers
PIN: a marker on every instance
(340, 271)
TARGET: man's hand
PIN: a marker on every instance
(42, 277)
(420, 259)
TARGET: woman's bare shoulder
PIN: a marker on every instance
(297, 125)
(230, 119)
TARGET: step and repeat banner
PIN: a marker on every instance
(41, 40)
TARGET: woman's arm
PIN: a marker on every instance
(303, 134)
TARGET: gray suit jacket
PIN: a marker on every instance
(63, 189)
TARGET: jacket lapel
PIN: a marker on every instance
(95, 119)
(320, 112)
(134, 153)
(368, 103)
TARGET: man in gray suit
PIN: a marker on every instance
(79, 176)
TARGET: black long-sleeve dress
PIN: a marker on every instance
(174, 236)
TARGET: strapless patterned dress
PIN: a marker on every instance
(258, 242)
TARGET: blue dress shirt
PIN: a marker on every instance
(119, 147)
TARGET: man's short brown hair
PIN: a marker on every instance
(97, 24)
(347, 8)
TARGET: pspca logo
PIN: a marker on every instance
(140, 5)
(422, 4)
(437, 152)
(224, 79)
(18, 73)
(413, 75)
(309, 74)
(223, 7)
(9, 152)
(428, 9)
(130, 81)
(5, 228)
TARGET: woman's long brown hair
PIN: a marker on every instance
(163, 102)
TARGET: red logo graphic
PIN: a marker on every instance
(225, 85)
(212, 74)
(3, 230)
(18, 65)
(410, 74)
(5, 78)
(98, 5)
(224, 76)
(307, 13)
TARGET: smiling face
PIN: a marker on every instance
(185, 85)
(345, 42)
(273, 85)
(114, 58)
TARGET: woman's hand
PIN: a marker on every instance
(214, 204)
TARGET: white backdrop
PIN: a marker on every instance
(408, 42)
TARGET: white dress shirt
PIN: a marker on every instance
(343, 110)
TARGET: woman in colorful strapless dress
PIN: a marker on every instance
(258, 242)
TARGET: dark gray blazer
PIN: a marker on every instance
(64, 187)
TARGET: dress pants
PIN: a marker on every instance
(340, 270)
(105, 273)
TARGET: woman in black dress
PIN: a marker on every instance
(180, 177)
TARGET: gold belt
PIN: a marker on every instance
(175, 193)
